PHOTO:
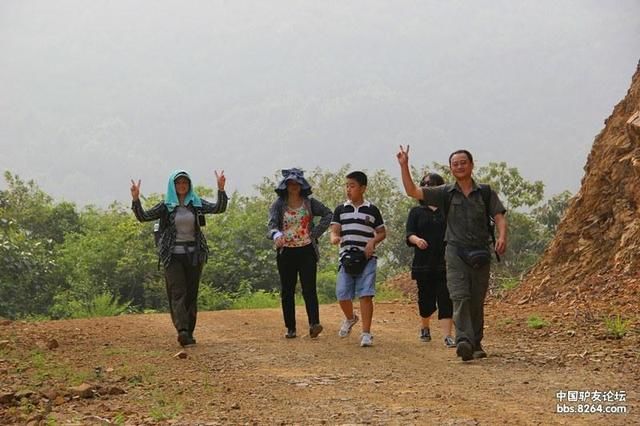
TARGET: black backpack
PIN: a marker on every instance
(485, 191)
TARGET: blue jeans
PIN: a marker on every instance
(362, 285)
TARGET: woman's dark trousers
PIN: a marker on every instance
(432, 292)
(294, 262)
(182, 279)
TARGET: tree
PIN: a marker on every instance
(35, 212)
(550, 213)
(31, 226)
(240, 255)
(112, 254)
(507, 181)
(27, 272)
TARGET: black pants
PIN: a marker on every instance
(432, 291)
(294, 261)
(183, 279)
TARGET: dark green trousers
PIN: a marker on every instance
(467, 290)
(182, 279)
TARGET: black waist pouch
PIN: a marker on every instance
(353, 261)
(474, 257)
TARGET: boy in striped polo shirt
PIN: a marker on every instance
(357, 224)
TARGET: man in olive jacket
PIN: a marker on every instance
(468, 254)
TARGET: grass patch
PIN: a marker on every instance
(50, 421)
(39, 366)
(507, 283)
(119, 419)
(260, 299)
(162, 409)
(616, 326)
(536, 322)
(388, 293)
(113, 351)
(505, 321)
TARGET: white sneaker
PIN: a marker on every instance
(347, 325)
(367, 340)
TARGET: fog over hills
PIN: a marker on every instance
(96, 93)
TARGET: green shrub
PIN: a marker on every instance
(212, 299)
(616, 326)
(102, 305)
(257, 300)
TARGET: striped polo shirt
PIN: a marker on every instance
(358, 224)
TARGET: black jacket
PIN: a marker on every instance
(430, 226)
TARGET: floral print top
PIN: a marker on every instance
(296, 227)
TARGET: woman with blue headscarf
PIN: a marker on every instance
(182, 247)
(295, 237)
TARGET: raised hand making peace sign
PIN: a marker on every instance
(135, 190)
(220, 179)
(403, 156)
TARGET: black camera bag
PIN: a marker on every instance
(353, 261)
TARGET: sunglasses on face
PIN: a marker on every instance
(292, 172)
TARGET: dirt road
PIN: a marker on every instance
(243, 371)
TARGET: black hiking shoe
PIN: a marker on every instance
(291, 333)
(315, 330)
(478, 352)
(464, 350)
(425, 335)
(185, 339)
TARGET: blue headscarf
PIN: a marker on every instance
(171, 198)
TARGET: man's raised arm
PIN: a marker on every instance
(410, 187)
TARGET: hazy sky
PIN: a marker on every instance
(95, 93)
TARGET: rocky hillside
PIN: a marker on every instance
(595, 256)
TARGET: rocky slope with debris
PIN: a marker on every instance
(594, 258)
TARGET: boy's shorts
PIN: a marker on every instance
(349, 286)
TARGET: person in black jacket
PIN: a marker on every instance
(426, 227)
(182, 247)
(295, 238)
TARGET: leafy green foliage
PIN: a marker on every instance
(113, 254)
(239, 250)
(517, 192)
(550, 213)
(29, 232)
(54, 258)
(213, 299)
